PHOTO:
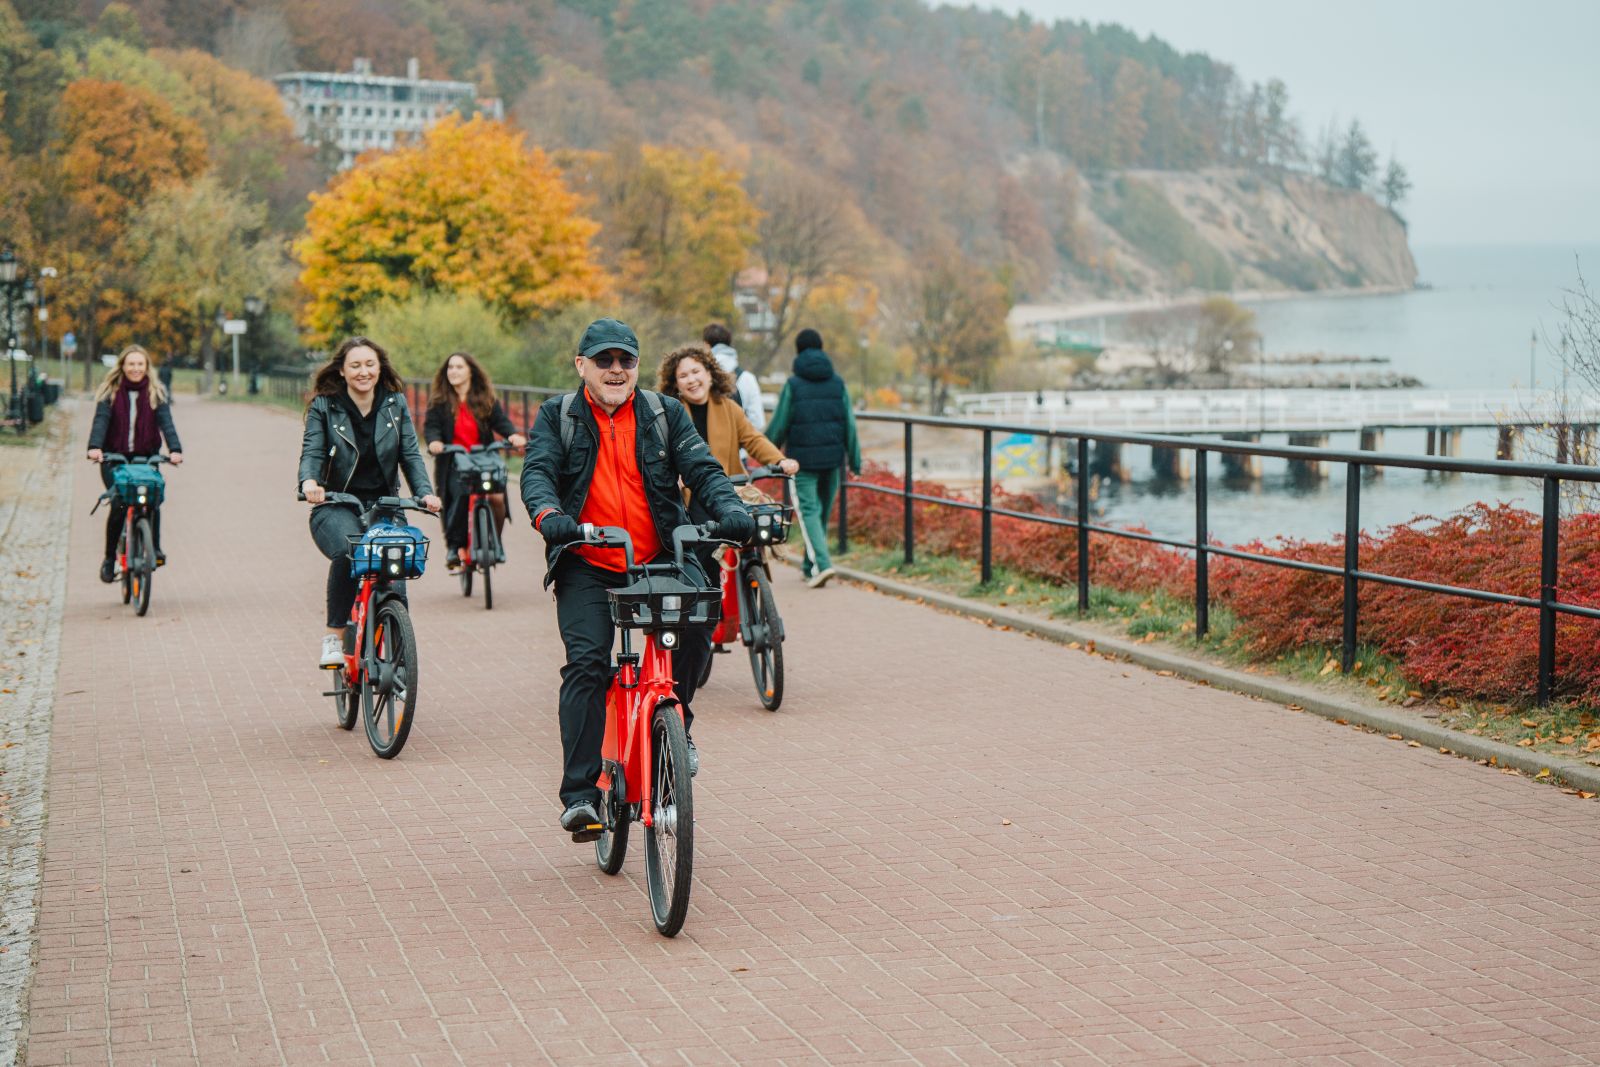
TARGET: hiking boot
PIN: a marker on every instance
(582, 821)
(820, 579)
(108, 570)
(332, 653)
(694, 759)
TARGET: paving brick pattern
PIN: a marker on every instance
(1188, 876)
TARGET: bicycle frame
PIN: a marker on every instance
(643, 681)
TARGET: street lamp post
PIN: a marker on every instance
(253, 306)
(30, 297)
(44, 325)
(8, 280)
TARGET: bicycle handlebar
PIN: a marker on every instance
(383, 503)
(757, 474)
(682, 536)
(493, 446)
(118, 459)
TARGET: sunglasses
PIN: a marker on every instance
(604, 360)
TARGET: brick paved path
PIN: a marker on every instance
(1187, 877)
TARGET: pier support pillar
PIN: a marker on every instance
(1583, 445)
(1171, 464)
(1308, 469)
(1449, 441)
(1372, 441)
(1506, 441)
(1238, 467)
(1107, 461)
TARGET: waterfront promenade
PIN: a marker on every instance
(952, 845)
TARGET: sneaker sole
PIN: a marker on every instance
(589, 833)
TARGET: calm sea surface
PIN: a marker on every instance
(1470, 331)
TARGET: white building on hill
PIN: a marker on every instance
(353, 111)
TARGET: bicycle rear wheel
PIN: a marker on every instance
(389, 691)
(766, 645)
(346, 700)
(612, 844)
(669, 846)
(142, 562)
(484, 550)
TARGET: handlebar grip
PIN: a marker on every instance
(588, 531)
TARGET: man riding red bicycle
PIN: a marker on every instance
(609, 454)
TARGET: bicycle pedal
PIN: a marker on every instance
(591, 832)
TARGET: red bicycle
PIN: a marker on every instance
(379, 678)
(645, 755)
(139, 487)
(749, 609)
(482, 475)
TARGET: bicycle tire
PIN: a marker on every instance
(484, 535)
(669, 845)
(393, 650)
(346, 700)
(142, 562)
(612, 846)
(127, 562)
(465, 574)
(766, 651)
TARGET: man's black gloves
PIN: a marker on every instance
(559, 529)
(735, 525)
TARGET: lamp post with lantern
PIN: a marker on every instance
(8, 280)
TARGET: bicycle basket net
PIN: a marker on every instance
(389, 550)
(478, 472)
(135, 483)
(659, 602)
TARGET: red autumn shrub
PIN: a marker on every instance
(1446, 643)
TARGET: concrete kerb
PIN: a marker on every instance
(1571, 772)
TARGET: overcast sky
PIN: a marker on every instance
(1493, 107)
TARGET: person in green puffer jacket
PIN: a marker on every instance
(815, 425)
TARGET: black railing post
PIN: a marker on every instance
(1550, 544)
(1352, 563)
(1202, 535)
(986, 569)
(1083, 526)
(910, 529)
(844, 504)
(527, 416)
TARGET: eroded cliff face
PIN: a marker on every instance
(1277, 232)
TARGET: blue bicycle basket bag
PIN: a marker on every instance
(390, 551)
(136, 483)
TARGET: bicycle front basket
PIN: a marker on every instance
(389, 550)
(656, 602)
(138, 483)
(478, 472)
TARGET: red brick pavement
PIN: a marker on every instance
(1189, 876)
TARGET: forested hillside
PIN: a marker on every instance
(869, 144)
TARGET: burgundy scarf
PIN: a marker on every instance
(146, 434)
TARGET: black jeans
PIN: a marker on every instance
(118, 513)
(584, 617)
(332, 526)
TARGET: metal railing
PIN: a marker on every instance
(1549, 475)
(520, 401)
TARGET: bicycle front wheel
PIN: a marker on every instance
(485, 551)
(142, 562)
(127, 562)
(389, 690)
(766, 645)
(669, 846)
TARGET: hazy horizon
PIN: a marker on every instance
(1490, 108)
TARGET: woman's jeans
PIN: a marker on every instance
(332, 527)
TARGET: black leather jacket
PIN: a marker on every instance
(328, 448)
(553, 480)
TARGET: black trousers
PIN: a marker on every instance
(117, 514)
(332, 526)
(584, 617)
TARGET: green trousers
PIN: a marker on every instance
(814, 494)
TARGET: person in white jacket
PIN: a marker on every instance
(719, 338)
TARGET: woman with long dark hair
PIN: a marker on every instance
(131, 418)
(358, 439)
(462, 410)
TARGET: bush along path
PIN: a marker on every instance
(35, 483)
(1467, 665)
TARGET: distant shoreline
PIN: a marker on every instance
(1026, 315)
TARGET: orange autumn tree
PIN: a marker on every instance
(469, 208)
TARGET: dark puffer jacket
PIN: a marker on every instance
(813, 423)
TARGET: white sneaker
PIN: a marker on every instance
(820, 579)
(332, 652)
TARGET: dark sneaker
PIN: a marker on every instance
(694, 759)
(161, 559)
(108, 571)
(582, 821)
(451, 563)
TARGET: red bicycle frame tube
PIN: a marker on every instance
(728, 568)
(634, 694)
(358, 619)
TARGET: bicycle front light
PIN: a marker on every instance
(395, 555)
(669, 639)
(487, 486)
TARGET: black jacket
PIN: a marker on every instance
(328, 448)
(553, 480)
(102, 423)
(439, 425)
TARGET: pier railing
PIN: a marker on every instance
(1549, 475)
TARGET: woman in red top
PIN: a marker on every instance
(463, 411)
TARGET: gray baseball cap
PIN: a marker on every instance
(605, 334)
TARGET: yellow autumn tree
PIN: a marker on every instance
(468, 208)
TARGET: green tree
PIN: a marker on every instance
(1396, 185)
(1357, 159)
(1225, 334)
(422, 330)
(955, 323)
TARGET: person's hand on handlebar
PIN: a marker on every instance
(517, 441)
(789, 466)
(735, 524)
(175, 458)
(436, 447)
(559, 529)
(314, 493)
(432, 503)
(94, 455)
